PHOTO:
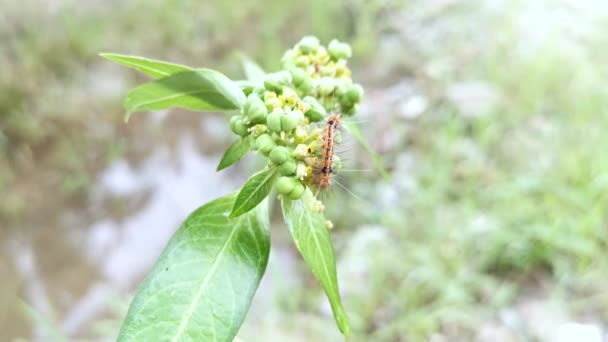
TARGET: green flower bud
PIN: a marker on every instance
(285, 185)
(251, 100)
(279, 155)
(297, 76)
(306, 85)
(257, 112)
(338, 50)
(297, 191)
(288, 168)
(316, 112)
(273, 120)
(290, 187)
(264, 143)
(275, 81)
(291, 120)
(308, 44)
(301, 80)
(237, 126)
(351, 111)
(326, 86)
(351, 95)
(288, 60)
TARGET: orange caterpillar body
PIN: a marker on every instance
(326, 164)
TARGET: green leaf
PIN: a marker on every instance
(234, 153)
(203, 90)
(201, 286)
(254, 191)
(312, 239)
(253, 72)
(154, 68)
(353, 129)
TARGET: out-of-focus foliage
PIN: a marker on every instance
(490, 116)
(54, 89)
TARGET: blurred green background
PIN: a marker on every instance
(490, 115)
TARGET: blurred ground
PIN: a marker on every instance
(490, 116)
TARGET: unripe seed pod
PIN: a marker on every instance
(308, 44)
(264, 143)
(285, 185)
(279, 155)
(338, 50)
(288, 168)
(326, 86)
(273, 120)
(297, 191)
(316, 112)
(237, 126)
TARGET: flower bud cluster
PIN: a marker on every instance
(283, 116)
(323, 73)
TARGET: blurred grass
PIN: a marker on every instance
(481, 207)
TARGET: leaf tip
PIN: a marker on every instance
(222, 165)
(127, 117)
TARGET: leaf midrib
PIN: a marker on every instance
(186, 318)
(140, 104)
(325, 268)
(128, 61)
(145, 67)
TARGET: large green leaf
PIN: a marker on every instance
(234, 153)
(202, 89)
(154, 68)
(254, 191)
(201, 286)
(309, 232)
(354, 130)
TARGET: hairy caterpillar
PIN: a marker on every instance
(324, 179)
